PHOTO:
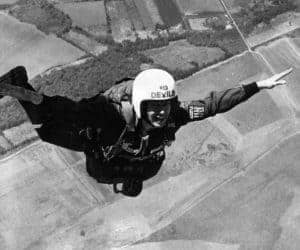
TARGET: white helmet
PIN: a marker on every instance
(152, 84)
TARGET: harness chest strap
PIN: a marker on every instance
(129, 116)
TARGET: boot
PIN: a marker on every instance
(16, 76)
(15, 83)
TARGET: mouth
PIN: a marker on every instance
(158, 120)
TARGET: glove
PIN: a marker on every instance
(87, 133)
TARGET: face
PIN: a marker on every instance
(157, 112)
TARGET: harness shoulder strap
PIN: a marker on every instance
(129, 115)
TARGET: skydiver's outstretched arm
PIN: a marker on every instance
(222, 101)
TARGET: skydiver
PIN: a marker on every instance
(123, 132)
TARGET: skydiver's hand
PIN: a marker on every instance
(87, 133)
(274, 80)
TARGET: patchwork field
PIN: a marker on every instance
(256, 210)
(59, 196)
(23, 44)
(284, 54)
(153, 11)
(189, 7)
(134, 15)
(180, 54)
(261, 110)
(288, 22)
(90, 16)
(169, 12)
(43, 15)
(228, 182)
(121, 26)
(12, 113)
(145, 15)
(20, 134)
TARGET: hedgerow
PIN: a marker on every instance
(91, 77)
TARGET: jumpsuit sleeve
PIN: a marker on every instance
(66, 110)
(216, 102)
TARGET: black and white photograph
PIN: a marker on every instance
(149, 124)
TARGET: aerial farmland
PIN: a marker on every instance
(90, 16)
(181, 55)
(24, 44)
(135, 15)
(121, 26)
(228, 182)
(169, 12)
(145, 14)
(189, 7)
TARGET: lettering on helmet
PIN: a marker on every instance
(163, 94)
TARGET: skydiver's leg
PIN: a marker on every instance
(18, 77)
(57, 124)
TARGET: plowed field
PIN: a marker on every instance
(169, 12)
(153, 11)
(134, 15)
(145, 15)
(198, 6)
(87, 15)
(121, 25)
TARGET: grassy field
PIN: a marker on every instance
(20, 134)
(134, 15)
(120, 23)
(169, 12)
(146, 17)
(198, 6)
(43, 15)
(23, 44)
(261, 110)
(180, 54)
(11, 113)
(283, 54)
(90, 16)
(153, 11)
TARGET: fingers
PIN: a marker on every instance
(283, 74)
(281, 82)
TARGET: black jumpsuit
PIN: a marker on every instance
(63, 119)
